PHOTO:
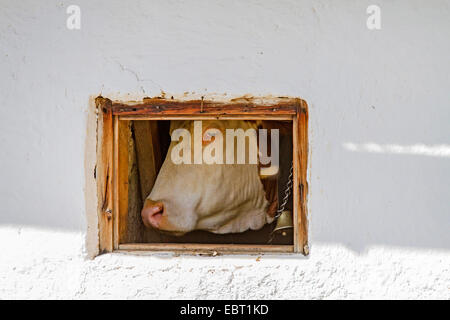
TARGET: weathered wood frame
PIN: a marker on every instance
(110, 115)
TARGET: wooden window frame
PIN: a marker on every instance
(107, 168)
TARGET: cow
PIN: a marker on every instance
(219, 198)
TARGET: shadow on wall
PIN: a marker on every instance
(370, 194)
(375, 194)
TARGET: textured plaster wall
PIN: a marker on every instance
(379, 102)
(49, 265)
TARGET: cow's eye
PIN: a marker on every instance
(210, 132)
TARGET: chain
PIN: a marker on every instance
(287, 193)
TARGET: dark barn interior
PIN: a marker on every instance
(143, 146)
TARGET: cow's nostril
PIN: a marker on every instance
(152, 214)
(156, 210)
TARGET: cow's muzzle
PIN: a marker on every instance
(152, 213)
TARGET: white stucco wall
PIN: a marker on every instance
(379, 125)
